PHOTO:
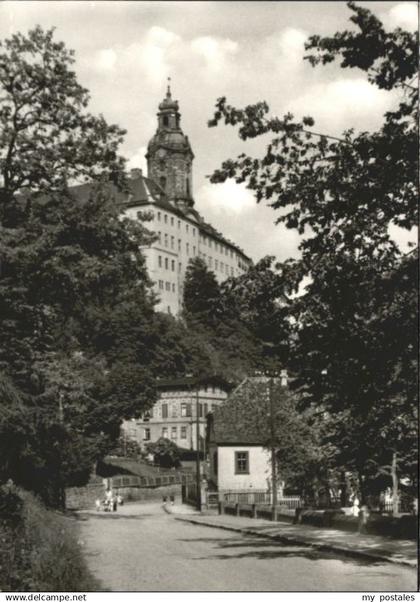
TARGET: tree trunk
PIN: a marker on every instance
(344, 489)
(394, 484)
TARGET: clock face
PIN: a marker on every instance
(161, 153)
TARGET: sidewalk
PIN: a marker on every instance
(374, 547)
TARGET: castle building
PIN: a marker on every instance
(166, 194)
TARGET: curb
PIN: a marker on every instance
(290, 539)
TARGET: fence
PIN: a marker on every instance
(260, 497)
(404, 506)
(135, 481)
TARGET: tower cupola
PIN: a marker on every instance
(169, 155)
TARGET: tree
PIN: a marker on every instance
(342, 194)
(258, 301)
(69, 265)
(219, 341)
(165, 452)
(201, 292)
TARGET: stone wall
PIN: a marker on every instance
(83, 498)
(149, 493)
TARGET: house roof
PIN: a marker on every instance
(232, 422)
(191, 381)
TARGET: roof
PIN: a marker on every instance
(231, 422)
(191, 381)
(142, 192)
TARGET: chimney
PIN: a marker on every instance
(136, 173)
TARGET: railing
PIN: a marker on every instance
(260, 497)
(135, 481)
(404, 506)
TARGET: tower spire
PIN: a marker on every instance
(168, 91)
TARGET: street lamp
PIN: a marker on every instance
(197, 458)
(271, 376)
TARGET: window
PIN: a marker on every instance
(188, 249)
(231, 271)
(194, 250)
(179, 244)
(241, 462)
(179, 267)
(210, 243)
(186, 410)
(160, 261)
(165, 218)
(172, 242)
(210, 262)
(166, 240)
(193, 231)
(164, 410)
(146, 434)
(183, 432)
(187, 227)
(168, 286)
(158, 216)
(200, 410)
(173, 288)
(173, 265)
(161, 285)
(165, 120)
(179, 224)
(159, 236)
(166, 263)
(165, 432)
(216, 264)
(174, 433)
(172, 221)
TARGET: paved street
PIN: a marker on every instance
(141, 548)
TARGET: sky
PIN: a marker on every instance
(246, 51)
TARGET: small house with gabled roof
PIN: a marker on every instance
(239, 455)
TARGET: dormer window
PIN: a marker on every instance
(165, 120)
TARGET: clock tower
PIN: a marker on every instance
(169, 155)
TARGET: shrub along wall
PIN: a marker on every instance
(39, 550)
(403, 527)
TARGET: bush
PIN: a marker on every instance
(40, 551)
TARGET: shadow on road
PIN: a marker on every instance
(253, 547)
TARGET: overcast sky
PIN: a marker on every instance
(247, 51)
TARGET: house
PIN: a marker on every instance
(183, 404)
(238, 442)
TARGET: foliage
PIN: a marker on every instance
(165, 452)
(126, 448)
(354, 344)
(201, 290)
(238, 326)
(71, 268)
(39, 549)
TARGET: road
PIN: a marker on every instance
(141, 548)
